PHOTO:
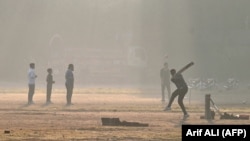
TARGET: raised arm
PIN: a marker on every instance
(186, 67)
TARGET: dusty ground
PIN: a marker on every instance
(82, 121)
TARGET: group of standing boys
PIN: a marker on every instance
(165, 73)
(69, 76)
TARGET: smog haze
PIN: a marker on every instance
(124, 42)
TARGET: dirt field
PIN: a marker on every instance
(82, 121)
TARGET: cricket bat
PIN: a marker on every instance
(186, 67)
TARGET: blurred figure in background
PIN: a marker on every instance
(165, 81)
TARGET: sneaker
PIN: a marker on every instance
(69, 104)
(186, 116)
(30, 103)
(167, 109)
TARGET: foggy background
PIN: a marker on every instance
(123, 42)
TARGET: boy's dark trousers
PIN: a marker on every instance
(31, 93)
(69, 93)
(49, 89)
(180, 92)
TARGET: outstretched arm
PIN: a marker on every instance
(186, 67)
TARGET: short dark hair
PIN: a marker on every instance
(70, 66)
(49, 70)
(32, 65)
(172, 71)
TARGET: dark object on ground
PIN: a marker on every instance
(111, 121)
(117, 122)
(231, 116)
(246, 117)
(6, 131)
(212, 115)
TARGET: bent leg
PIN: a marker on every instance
(175, 93)
(180, 100)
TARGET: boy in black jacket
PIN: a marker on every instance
(50, 81)
(181, 90)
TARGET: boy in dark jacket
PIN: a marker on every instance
(181, 90)
(50, 81)
(69, 76)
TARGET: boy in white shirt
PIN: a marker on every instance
(31, 78)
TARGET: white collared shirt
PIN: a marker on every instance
(31, 76)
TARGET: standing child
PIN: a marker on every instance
(69, 83)
(50, 81)
(32, 79)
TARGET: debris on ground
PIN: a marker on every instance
(117, 122)
(6, 131)
(232, 116)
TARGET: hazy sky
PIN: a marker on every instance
(124, 40)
